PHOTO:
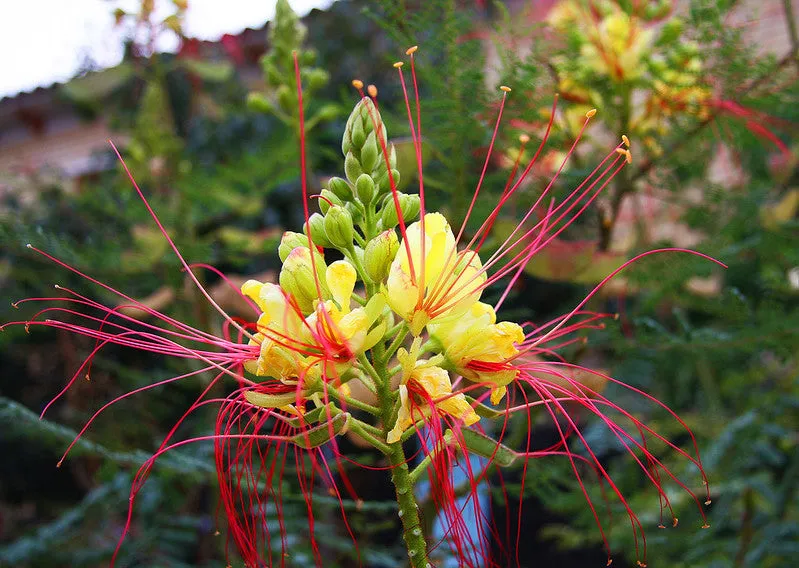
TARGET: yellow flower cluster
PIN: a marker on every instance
(308, 330)
(439, 289)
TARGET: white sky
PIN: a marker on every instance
(44, 41)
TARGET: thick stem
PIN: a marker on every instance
(412, 529)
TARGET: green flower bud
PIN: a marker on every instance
(259, 103)
(327, 200)
(365, 188)
(317, 78)
(308, 57)
(339, 228)
(288, 242)
(370, 153)
(384, 181)
(297, 277)
(352, 168)
(286, 98)
(670, 32)
(357, 134)
(318, 235)
(272, 73)
(362, 121)
(409, 204)
(354, 211)
(655, 11)
(340, 187)
(379, 254)
(327, 112)
(392, 157)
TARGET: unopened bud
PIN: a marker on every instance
(327, 112)
(259, 103)
(297, 277)
(409, 206)
(339, 228)
(357, 134)
(364, 119)
(379, 254)
(354, 211)
(365, 188)
(352, 167)
(341, 188)
(370, 153)
(318, 235)
(317, 78)
(327, 199)
(288, 242)
(385, 181)
(286, 98)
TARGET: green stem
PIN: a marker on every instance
(428, 459)
(402, 333)
(362, 430)
(355, 403)
(412, 529)
(353, 258)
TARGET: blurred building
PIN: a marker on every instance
(43, 128)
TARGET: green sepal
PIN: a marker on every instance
(488, 447)
(323, 433)
(312, 416)
(271, 400)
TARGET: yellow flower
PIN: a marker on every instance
(430, 383)
(617, 47)
(444, 283)
(479, 348)
(293, 346)
(340, 329)
(278, 330)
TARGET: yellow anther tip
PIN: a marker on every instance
(372, 90)
(524, 138)
(708, 502)
(626, 153)
(411, 50)
(706, 526)
(505, 88)
(357, 83)
(625, 140)
(30, 246)
(398, 64)
(590, 113)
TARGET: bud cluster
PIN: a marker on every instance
(359, 211)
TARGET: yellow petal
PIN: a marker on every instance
(435, 381)
(497, 394)
(403, 417)
(341, 277)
